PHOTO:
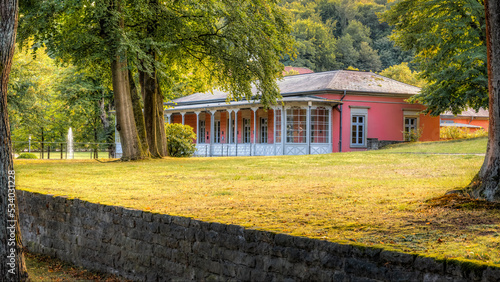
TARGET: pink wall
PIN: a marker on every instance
(385, 120)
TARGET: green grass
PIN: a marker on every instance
(76, 155)
(462, 146)
(376, 198)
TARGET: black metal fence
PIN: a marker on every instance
(60, 150)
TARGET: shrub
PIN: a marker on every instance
(27, 156)
(412, 135)
(452, 132)
(180, 140)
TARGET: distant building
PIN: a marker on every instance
(469, 119)
(319, 113)
(297, 70)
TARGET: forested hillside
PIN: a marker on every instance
(338, 34)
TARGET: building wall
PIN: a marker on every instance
(145, 246)
(483, 122)
(385, 120)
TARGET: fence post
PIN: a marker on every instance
(61, 151)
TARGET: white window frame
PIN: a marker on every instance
(293, 126)
(217, 131)
(325, 124)
(246, 130)
(278, 134)
(264, 126)
(202, 132)
(359, 112)
(407, 113)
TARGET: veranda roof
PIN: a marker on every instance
(305, 86)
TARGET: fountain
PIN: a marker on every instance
(70, 154)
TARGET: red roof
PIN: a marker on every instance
(299, 70)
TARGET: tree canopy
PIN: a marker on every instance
(448, 39)
(333, 34)
(231, 45)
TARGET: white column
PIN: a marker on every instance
(330, 128)
(274, 129)
(283, 129)
(182, 114)
(212, 128)
(236, 130)
(169, 118)
(230, 127)
(197, 126)
(254, 109)
(308, 126)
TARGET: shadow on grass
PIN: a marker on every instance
(45, 268)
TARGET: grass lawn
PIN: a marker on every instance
(76, 155)
(462, 146)
(377, 198)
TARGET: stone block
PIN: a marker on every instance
(333, 262)
(396, 258)
(491, 274)
(218, 227)
(427, 264)
(235, 230)
(284, 240)
(397, 274)
(362, 268)
(181, 221)
(243, 273)
(147, 216)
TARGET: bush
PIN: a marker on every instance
(27, 156)
(412, 135)
(180, 140)
(452, 132)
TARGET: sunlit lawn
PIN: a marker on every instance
(375, 198)
(463, 146)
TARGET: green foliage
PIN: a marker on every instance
(403, 73)
(448, 39)
(348, 30)
(412, 135)
(45, 97)
(32, 102)
(180, 140)
(27, 156)
(186, 41)
(315, 46)
(453, 132)
(291, 72)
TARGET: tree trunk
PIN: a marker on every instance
(153, 113)
(42, 143)
(138, 115)
(12, 266)
(486, 184)
(125, 122)
(103, 115)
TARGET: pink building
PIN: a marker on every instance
(335, 111)
(468, 119)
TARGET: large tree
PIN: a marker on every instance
(448, 39)
(12, 266)
(486, 185)
(238, 44)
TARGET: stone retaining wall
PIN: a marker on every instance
(154, 247)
